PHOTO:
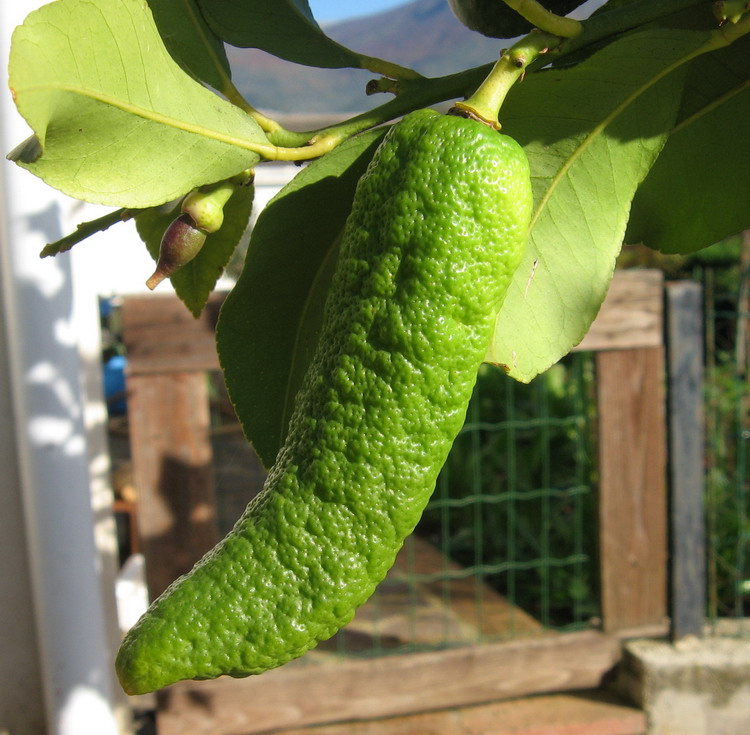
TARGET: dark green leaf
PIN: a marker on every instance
(269, 323)
(191, 43)
(496, 19)
(285, 28)
(698, 192)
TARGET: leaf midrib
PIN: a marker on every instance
(713, 105)
(598, 129)
(152, 115)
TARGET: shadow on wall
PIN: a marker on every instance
(67, 616)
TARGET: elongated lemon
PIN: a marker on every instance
(437, 228)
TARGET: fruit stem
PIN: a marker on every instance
(546, 20)
(486, 101)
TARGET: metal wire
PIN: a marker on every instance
(727, 324)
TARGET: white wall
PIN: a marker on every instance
(58, 629)
(59, 584)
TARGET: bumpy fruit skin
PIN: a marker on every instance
(437, 228)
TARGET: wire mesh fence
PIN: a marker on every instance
(727, 321)
(515, 503)
(507, 544)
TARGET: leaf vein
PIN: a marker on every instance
(599, 129)
(154, 116)
(713, 105)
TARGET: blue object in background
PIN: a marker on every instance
(106, 307)
(114, 385)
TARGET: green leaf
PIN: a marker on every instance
(194, 282)
(697, 192)
(591, 133)
(151, 224)
(116, 120)
(190, 42)
(269, 324)
(285, 28)
(498, 20)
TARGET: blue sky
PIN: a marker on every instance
(328, 10)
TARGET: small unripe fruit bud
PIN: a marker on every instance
(206, 210)
(181, 242)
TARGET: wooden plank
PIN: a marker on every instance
(686, 457)
(300, 694)
(581, 713)
(631, 315)
(632, 500)
(171, 450)
(162, 336)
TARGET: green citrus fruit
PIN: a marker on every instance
(437, 228)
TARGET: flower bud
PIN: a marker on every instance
(181, 242)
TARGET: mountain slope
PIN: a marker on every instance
(423, 34)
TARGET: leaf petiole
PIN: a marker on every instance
(267, 124)
(318, 145)
(388, 68)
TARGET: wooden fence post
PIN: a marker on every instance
(628, 338)
(172, 469)
(169, 353)
(632, 488)
(686, 458)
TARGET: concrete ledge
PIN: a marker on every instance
(695, 687)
